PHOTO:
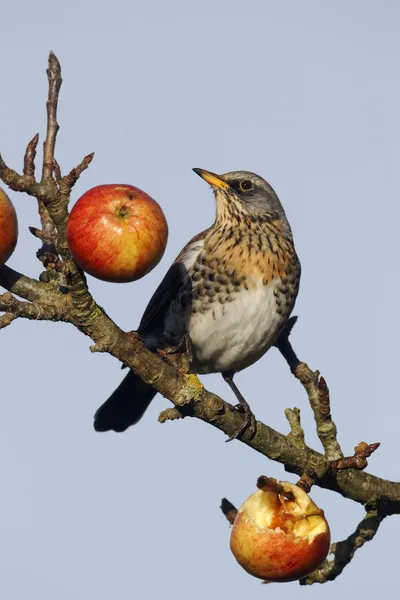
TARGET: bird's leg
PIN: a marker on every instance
(249, 421)
(187, 351)
(188, 347)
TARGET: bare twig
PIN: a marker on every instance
(357, 461)
(345, 550)
(32, 310)
(17, 182)
(49, 233)
(317, 391)
(68, 181)
(296, 430)
(57, 171)
(29, 159)
(170, 414)
(7, 319)
(55, 80)
(28, 288)
(326, 428)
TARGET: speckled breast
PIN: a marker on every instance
(244, 286)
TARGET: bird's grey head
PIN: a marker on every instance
(246, 193)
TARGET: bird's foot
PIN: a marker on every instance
(180, 355)
(249, 422)
(184, 346)
(248, 425)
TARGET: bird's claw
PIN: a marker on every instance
(179, 355)
(249, 423)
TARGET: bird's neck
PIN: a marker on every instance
(239, 225)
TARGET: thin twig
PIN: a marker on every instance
(296, 430)
(28, 288)
(49, 232)
(7, 319)
(317, 391)
(29, 159)
(32, 310)
(345, 550)
(17, 182)
(69, 180)
(326, 428)
(358, 461)
(55, 80)
(170, 414)
(57, 171)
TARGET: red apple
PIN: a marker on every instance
(8, 228)
(279, 534)
(117, 232)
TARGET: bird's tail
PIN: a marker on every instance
(125, 406)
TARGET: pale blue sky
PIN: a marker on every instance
(306, 94)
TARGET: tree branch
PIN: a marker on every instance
(55, 81)
(26, 287)
(7, 319)
(345, 550)
(29, 159)
(32, 310)
(318, 395)
(296, 430)
(317, 391)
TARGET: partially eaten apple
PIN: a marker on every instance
(279, 534)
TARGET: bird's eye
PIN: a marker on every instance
(246, 185)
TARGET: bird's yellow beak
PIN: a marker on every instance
(214, 180)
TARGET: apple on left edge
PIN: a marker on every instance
(8, 228)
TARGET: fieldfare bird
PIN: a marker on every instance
(230, 292)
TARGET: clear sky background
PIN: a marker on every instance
(306, 94)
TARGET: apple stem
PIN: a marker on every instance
(306, 482)
(123, 211)
(269, 484)
(229, 510)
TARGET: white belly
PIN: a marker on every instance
(236, 334)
